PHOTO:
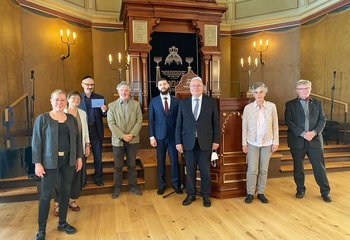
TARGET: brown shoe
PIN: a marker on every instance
(73, 206)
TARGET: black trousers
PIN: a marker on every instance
(316, 159)
(130, 151)
(202, 159)
(96, 145)
(62, 177)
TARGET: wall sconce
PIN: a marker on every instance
(261, 49)
(249, 69)
(127, 63)
(68, 42)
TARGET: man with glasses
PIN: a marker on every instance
(94, 106)
(197, 134)
(305, 119)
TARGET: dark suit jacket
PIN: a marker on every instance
(98, 112)
(295, 120)
(207, 124)
(161, 125)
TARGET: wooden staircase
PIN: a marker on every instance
(24, 188)
(337, 156)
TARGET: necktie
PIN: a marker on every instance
(196, 108)
(166, 105)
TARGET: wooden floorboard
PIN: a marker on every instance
(152, 217)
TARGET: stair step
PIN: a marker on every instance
(307, 166)
(9, 192)
(326, 155)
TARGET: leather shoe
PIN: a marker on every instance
(99, 183)
(206, 202)
(188, 200)
(115, 193)
(40, 235)
(249, 198)
(160, 191)
(65, 227)
(178, 190)
(299, 194)
(262, 198)
(327, 198)
(135, 191)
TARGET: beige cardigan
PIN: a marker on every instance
(249, 123)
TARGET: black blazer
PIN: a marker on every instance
(207, 124)
(98, 112)
(295, 119)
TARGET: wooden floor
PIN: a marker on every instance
(152, 217)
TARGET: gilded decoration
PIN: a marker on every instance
(210, 35)
(139, 31)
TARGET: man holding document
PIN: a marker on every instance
(94, 106)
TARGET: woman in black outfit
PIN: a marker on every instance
(56, 152)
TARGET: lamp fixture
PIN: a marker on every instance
(261, 49)
(119, 68)
(68, 42)
(249, 68)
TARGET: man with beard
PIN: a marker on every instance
(162, 116)
(95, 123)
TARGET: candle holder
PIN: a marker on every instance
(249, 68)
(68, 42)
(119, 67)
(261, 49)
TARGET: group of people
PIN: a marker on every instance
(62, 139)
(305, 120)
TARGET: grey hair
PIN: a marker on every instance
(57, 92)
(259, 85)
(303, 82)
(123, 84)
(196, 79)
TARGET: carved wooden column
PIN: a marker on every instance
(144, 82)
(135, 75)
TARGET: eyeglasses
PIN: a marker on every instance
(91, 85)
(195, 86)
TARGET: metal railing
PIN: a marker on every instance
(344, 104)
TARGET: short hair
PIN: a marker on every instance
(56, 92)
(162, 79)
(259, 85)
(196, 79)
(303, 82)
(123, 84)
(72, 93)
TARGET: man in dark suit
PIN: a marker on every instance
(197, 135)
(94, 113)
(162, 115)
(305, 119)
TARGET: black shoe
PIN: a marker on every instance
(327, 198)
(188, 200)
(249, 198)
(135, 191)
(115, 193)
(160, 191)
(178, 190)
(300, 194)
(65, 227)
(206, 202)
(99, 183)
(262, 198)
(40, 235)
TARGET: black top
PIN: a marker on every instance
(63, 138)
